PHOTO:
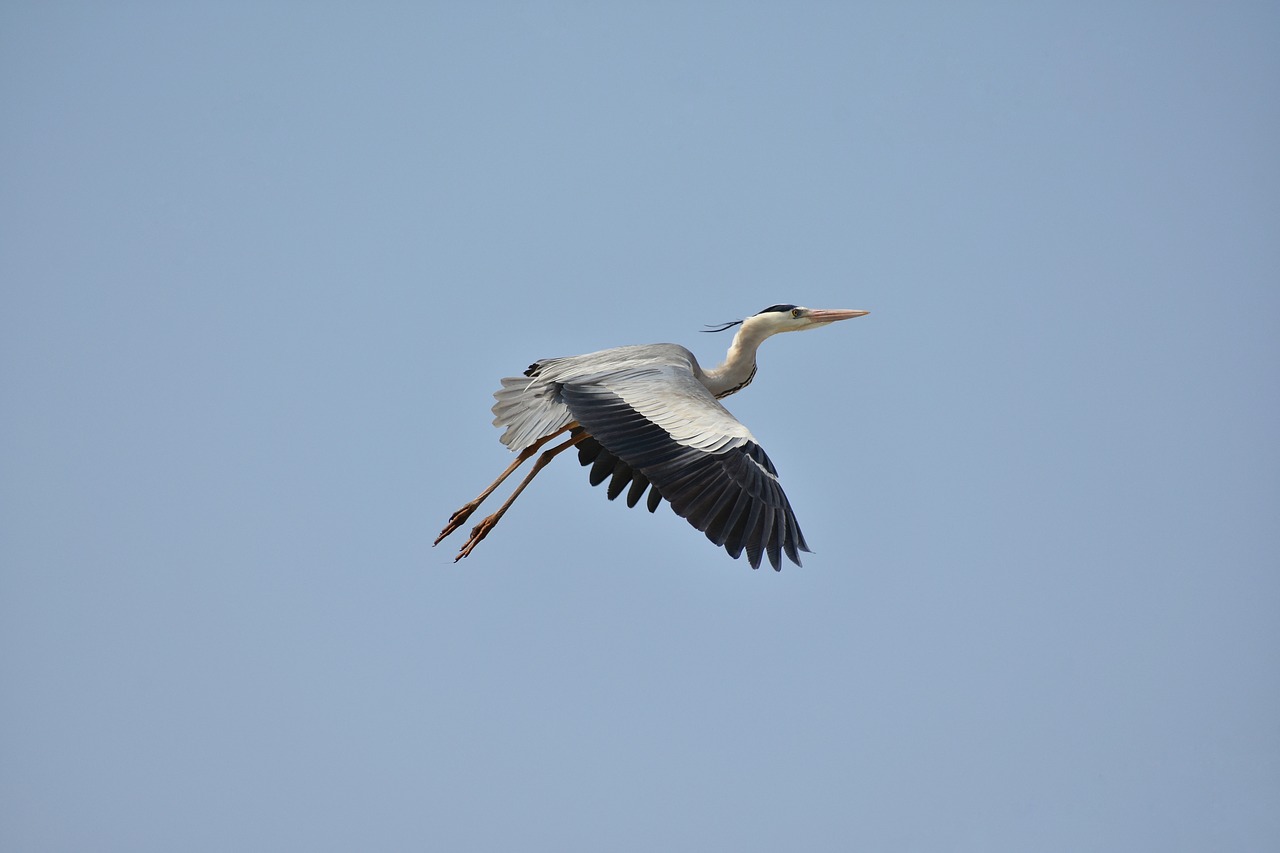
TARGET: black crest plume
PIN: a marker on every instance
(721, 327)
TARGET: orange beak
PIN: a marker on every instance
(832, 314)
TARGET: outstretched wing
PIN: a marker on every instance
(657, 426)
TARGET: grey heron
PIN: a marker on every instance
(649, 418)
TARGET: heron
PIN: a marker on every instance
(649, 417)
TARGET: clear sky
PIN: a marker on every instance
(263, 264)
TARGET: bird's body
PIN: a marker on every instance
(648, 418)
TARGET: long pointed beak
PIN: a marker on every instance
(830, 315)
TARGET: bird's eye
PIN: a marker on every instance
(795, 312)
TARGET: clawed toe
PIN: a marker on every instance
(478, 533)
(455, 521)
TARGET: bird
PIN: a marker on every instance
(649, 417)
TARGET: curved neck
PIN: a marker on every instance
(739, 366)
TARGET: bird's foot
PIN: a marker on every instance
(456, 520)
(478, 532)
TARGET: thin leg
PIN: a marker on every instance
(459, 518)
(482, 529)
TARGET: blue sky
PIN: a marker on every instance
(263, 265)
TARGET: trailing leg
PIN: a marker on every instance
(482, 529)
(459, 518)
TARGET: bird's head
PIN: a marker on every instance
(789, 318)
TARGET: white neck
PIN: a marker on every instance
(739, 366)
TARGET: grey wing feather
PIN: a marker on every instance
(528, 409)
(663, 424)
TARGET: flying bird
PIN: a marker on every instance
(649, 417)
